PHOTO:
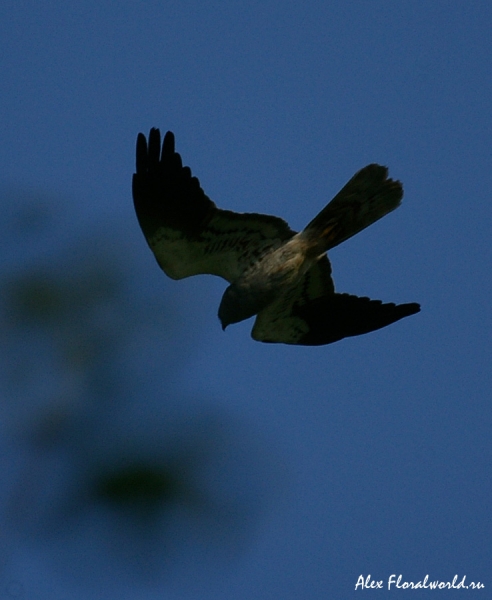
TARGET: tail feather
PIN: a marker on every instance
(367, 197)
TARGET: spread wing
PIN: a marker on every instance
(186, 231)
(313, 314)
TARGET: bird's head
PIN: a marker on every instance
(237, 304)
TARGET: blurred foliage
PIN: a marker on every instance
(73, 308)
(95, 437)
(139, 485)
(39, 297)
(35, 298)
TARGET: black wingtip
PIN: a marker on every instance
(141, 155)
(168, 145)
(149, 154)
(154, 148)
(409, 309)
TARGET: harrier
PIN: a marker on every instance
(281, 276)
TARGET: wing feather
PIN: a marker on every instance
(313, 314)
(184, 228)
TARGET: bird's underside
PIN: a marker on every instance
(279, 275)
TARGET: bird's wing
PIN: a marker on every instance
(186, 231)
(313, 314)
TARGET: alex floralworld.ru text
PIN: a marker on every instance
(366, 583)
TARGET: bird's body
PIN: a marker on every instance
(282, 276)
(273, 276)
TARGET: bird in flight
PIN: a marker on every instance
(281, 276)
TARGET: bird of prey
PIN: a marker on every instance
(281, 276)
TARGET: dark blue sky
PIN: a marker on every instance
(377, 448)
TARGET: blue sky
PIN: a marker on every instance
(371, 455)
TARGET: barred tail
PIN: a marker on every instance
(367, 197)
